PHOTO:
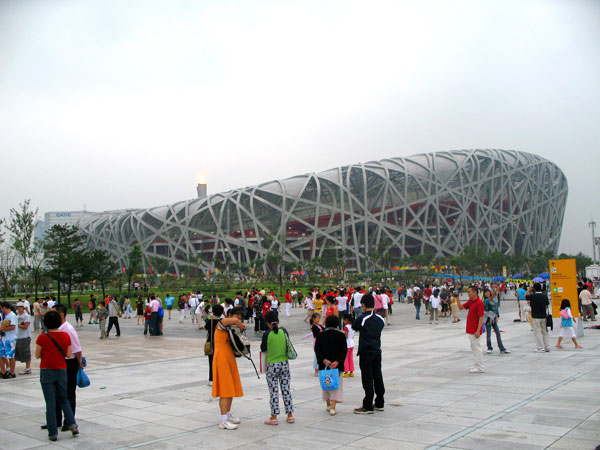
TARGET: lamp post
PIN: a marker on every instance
(592, 225)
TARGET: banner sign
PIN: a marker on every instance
(563, 285)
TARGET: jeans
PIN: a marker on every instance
(372, 379)
(418, 308)
(54, 388)
(357, 311)
(488, 332)
(113, 320)
(72, 369)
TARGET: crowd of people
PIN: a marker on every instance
(333, 316)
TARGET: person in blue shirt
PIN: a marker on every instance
(169, 304)
(524, 308)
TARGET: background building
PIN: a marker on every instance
(440, 202)
(56, 218)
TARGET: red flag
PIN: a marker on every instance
(123, 269)
(150, 270)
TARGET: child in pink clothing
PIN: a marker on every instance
(349, 332)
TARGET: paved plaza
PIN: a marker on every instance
(151, 393)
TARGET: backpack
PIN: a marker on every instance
(564, 314)
(239, 342)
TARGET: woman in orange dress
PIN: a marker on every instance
(226, 378)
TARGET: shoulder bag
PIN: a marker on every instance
(208, 346)
(289, 347)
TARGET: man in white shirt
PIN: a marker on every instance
(409, 295)
(310, 307)
(194, 302)
(27, 304)
(586, 305)
(8, 342)
(23, 346)
(385, 301)
(356, 306)
(294, 295)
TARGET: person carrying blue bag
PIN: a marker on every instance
(331, 351)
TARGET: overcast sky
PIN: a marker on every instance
(114, 104)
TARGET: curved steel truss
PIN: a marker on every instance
(509, 201)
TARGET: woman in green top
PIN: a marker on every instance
(278, 369)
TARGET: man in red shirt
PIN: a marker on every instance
(474, 326)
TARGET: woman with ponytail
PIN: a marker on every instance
(278, 369)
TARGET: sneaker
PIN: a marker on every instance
(362, 410)
(476, 370)
(505, 352)
(346, 375)
(10, 375)
(489, 351)
(579, 346)
(351, 374)
(559, 346)
(332, 412)
(376, 408)
(227, 426)
(75, 431)
(25, 372)
(234, 420)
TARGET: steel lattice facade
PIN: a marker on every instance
(509, 201)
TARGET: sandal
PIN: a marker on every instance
(270, 421)
(290, 420)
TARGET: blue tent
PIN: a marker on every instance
(545, 276)
(538, 280)
(518, 275)
(495, 279)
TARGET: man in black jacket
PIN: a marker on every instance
(370, 325)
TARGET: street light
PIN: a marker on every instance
(592, 225)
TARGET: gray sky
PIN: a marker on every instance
(114, 104)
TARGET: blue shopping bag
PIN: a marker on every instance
(82, 379)
(330, 379)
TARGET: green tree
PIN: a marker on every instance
(67, 259)
(37, 265)
(133, 263)
(21, 226)
(103, 268)
(159, 264)
(8, 267)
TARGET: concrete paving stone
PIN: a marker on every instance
(18, 441)
(375, 443)
(515, 437)
(132, 403)
(583, 433)
(416, 436)
(540, 419)
(527, 428)
(472, 443)
(115, 421)
(590, 424)
(571, 443)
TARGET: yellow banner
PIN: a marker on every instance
(563, 285)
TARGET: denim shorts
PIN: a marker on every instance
(7, 348)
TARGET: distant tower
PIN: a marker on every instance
(201, 188)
